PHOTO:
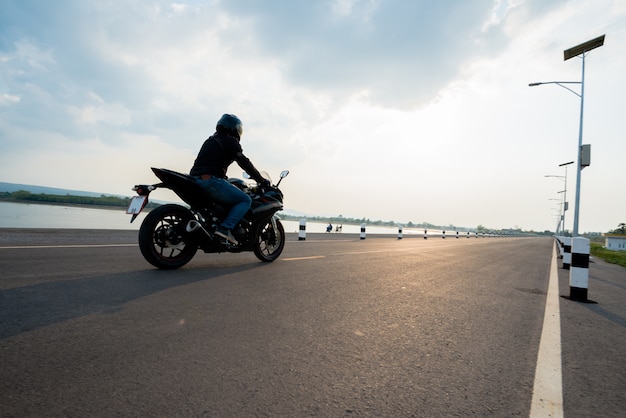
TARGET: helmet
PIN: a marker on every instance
(230, 124)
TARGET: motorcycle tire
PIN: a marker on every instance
(163, 240)
(270, 242)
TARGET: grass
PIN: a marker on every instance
(610, 256)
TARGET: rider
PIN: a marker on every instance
(217, 153)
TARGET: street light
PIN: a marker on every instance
(560, 216)
(575, 51)
(564, 191)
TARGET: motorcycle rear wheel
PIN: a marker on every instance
(270, 241)
(163, 240)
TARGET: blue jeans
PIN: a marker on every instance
(227, 195)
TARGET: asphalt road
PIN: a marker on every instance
(336, 327)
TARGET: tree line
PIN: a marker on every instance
(357, 221)
(102, 200)
(334, 220)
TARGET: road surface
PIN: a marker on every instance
(337, 327)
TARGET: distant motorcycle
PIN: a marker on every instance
(171, 234)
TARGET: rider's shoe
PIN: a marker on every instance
(226, 234)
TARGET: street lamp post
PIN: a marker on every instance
(565, 205)
(580, 246)
(558, 224)
(581, 50)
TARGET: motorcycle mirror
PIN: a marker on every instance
(283, 174)
(246, 176)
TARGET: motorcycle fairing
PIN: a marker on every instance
(183, 185)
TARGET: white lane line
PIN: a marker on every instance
(303, 258)
(20, 247)
(548, 388)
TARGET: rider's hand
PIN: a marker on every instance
(265, 184)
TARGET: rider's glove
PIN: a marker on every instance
(265, 184)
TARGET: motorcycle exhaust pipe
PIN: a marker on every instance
(194, 227)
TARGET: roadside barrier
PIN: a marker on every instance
(559, 241)
(302, 230)
(567, 252)
(579, 271)
(396, 231)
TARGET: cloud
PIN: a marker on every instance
(401, 53)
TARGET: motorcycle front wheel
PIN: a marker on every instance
(163, 240)
(270, 241)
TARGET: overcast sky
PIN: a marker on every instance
(405, 110)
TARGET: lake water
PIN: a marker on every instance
(27, 215)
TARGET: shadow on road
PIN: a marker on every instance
(27, 308)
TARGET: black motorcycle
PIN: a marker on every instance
(171, 234)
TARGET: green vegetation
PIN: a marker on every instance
(610, 256)
(356, 221)
(338, 220)
(621, 229)
(102, 200)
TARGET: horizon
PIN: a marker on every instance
(286, 211)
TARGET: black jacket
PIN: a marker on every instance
(217, 153)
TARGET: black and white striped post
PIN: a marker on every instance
(426, 234)
(457, 234)
(362, 231)
(468, 234)
(443, 234)
(302, 231)
(567, 252)
(579, 271)
(399, 231)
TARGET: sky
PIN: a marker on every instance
(403, 110)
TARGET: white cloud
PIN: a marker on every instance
(7, 99)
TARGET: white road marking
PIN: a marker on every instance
(66, 246)
(548, 387)
(303, 258)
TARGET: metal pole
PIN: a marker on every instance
(563, 211)
(564, 202)
(580, 144)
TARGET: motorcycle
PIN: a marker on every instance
(171, 234)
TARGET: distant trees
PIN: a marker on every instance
(102, 200)
(621, 229)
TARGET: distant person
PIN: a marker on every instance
(218, 152)
(329, 228)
